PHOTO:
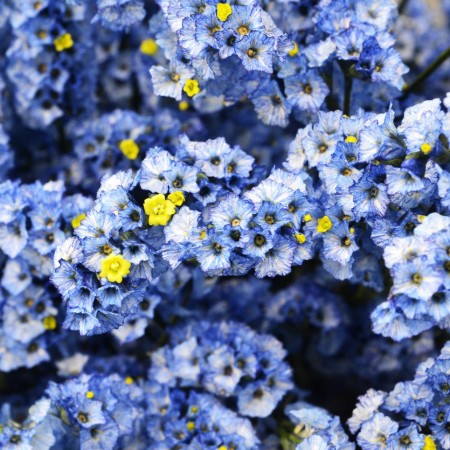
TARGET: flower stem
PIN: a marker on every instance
(347, 94)
(428, 71)
(402, 6)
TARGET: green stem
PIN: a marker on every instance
(428, 71)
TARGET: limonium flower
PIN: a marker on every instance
(224, 224)
(114, 268)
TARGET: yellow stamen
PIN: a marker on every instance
(63, 42)
(243, 30)
(223, 11)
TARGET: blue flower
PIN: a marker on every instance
(119, 14)
(255, 51)
(306, 91)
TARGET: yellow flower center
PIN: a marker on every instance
(190, 426)
(90, 395)
(300, 237)
(63, 42)
(129, 380)
(307, 218)
(243, 30)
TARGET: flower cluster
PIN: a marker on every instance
(414, 415)
(33, 222)
(117, 141)
(212, 37)
(222, 222)
(228, 360)
(50, 41)
(108, 411)
(317, 429)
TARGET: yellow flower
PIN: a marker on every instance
(191, 87)
(177, 198)
(76, 221)
(294, 51)
(351, 139)
(223, 11)
(324, 224)
(49, 322)
(149, 47)
(183, 105)
(426, 148)
(115, 267)
(159, 210)
(129, 148)
(63, 42)
(429, 444)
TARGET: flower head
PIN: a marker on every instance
(159, 210)
(114, 268)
